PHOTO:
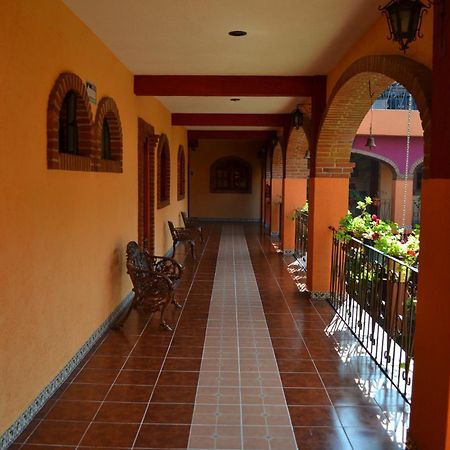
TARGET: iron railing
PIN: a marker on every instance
(301, 236)
(375, 295)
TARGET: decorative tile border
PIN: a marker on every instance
(320, 295)
(8, 437)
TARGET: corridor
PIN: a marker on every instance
(252, 364)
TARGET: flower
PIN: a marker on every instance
(386, 236)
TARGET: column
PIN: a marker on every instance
(430, 409)
(294, 196)
(277, 191)
(328, 204)
(398, 200)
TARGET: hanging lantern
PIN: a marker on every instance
(405, 19)
(297, 118)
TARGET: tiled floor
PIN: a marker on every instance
(215, 382)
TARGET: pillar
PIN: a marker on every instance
(294, 196)
(398, 199)
(328, 203)
(430, 407)
(277, 191)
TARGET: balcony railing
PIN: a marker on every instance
(301, 236)
(375, 295)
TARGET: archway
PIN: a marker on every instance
(347, 106)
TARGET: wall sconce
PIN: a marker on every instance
(297, 118)
(404, 19)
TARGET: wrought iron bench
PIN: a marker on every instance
(185, 235)
(192, 223)
(154, 279)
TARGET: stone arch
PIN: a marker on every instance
(392, 165)
(415, 166)
(350, 101)
(65, 83)
(107, 110)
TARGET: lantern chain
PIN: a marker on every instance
(408, 144)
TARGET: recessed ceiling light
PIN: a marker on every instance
(237, 33)
(235, 99)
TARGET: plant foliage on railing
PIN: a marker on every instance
(385, 236)
(298, 212)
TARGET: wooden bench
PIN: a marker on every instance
(192, 223)
(154, 279)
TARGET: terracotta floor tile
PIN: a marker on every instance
(141, 377)
(163, 436)
(169, 413)
(58, 432)
(110, 434)
(323, 438)
(182, 364)
(129, 393)
(73, 410)
(96, 376)
(144, 363)
(173, 394)
(121, 412)
(179, 378)
(302, 396)
(87, 392)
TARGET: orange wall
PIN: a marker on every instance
(63, 232)
(391, 122)
(225, 206)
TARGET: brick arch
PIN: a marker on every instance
(277, 162)
(163, 172)
(107, 109)
(297, 147)
(350, 101)
(65, 83)
(181, 173)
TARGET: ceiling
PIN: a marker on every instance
(179, 37)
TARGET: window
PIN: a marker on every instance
(108, 153)
(68, 129)
(106, 140)
(232, 175)
(181, 188)
(163, 172)
(70, 142)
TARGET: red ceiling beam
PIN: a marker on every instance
(243, 120)
(227, 86)
(263, 135)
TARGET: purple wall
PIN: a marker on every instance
(393, 148)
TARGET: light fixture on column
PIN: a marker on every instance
(370, 139)
(297, 118)
(404, 19)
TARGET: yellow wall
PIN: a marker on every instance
(63, 232)
(225, 206)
